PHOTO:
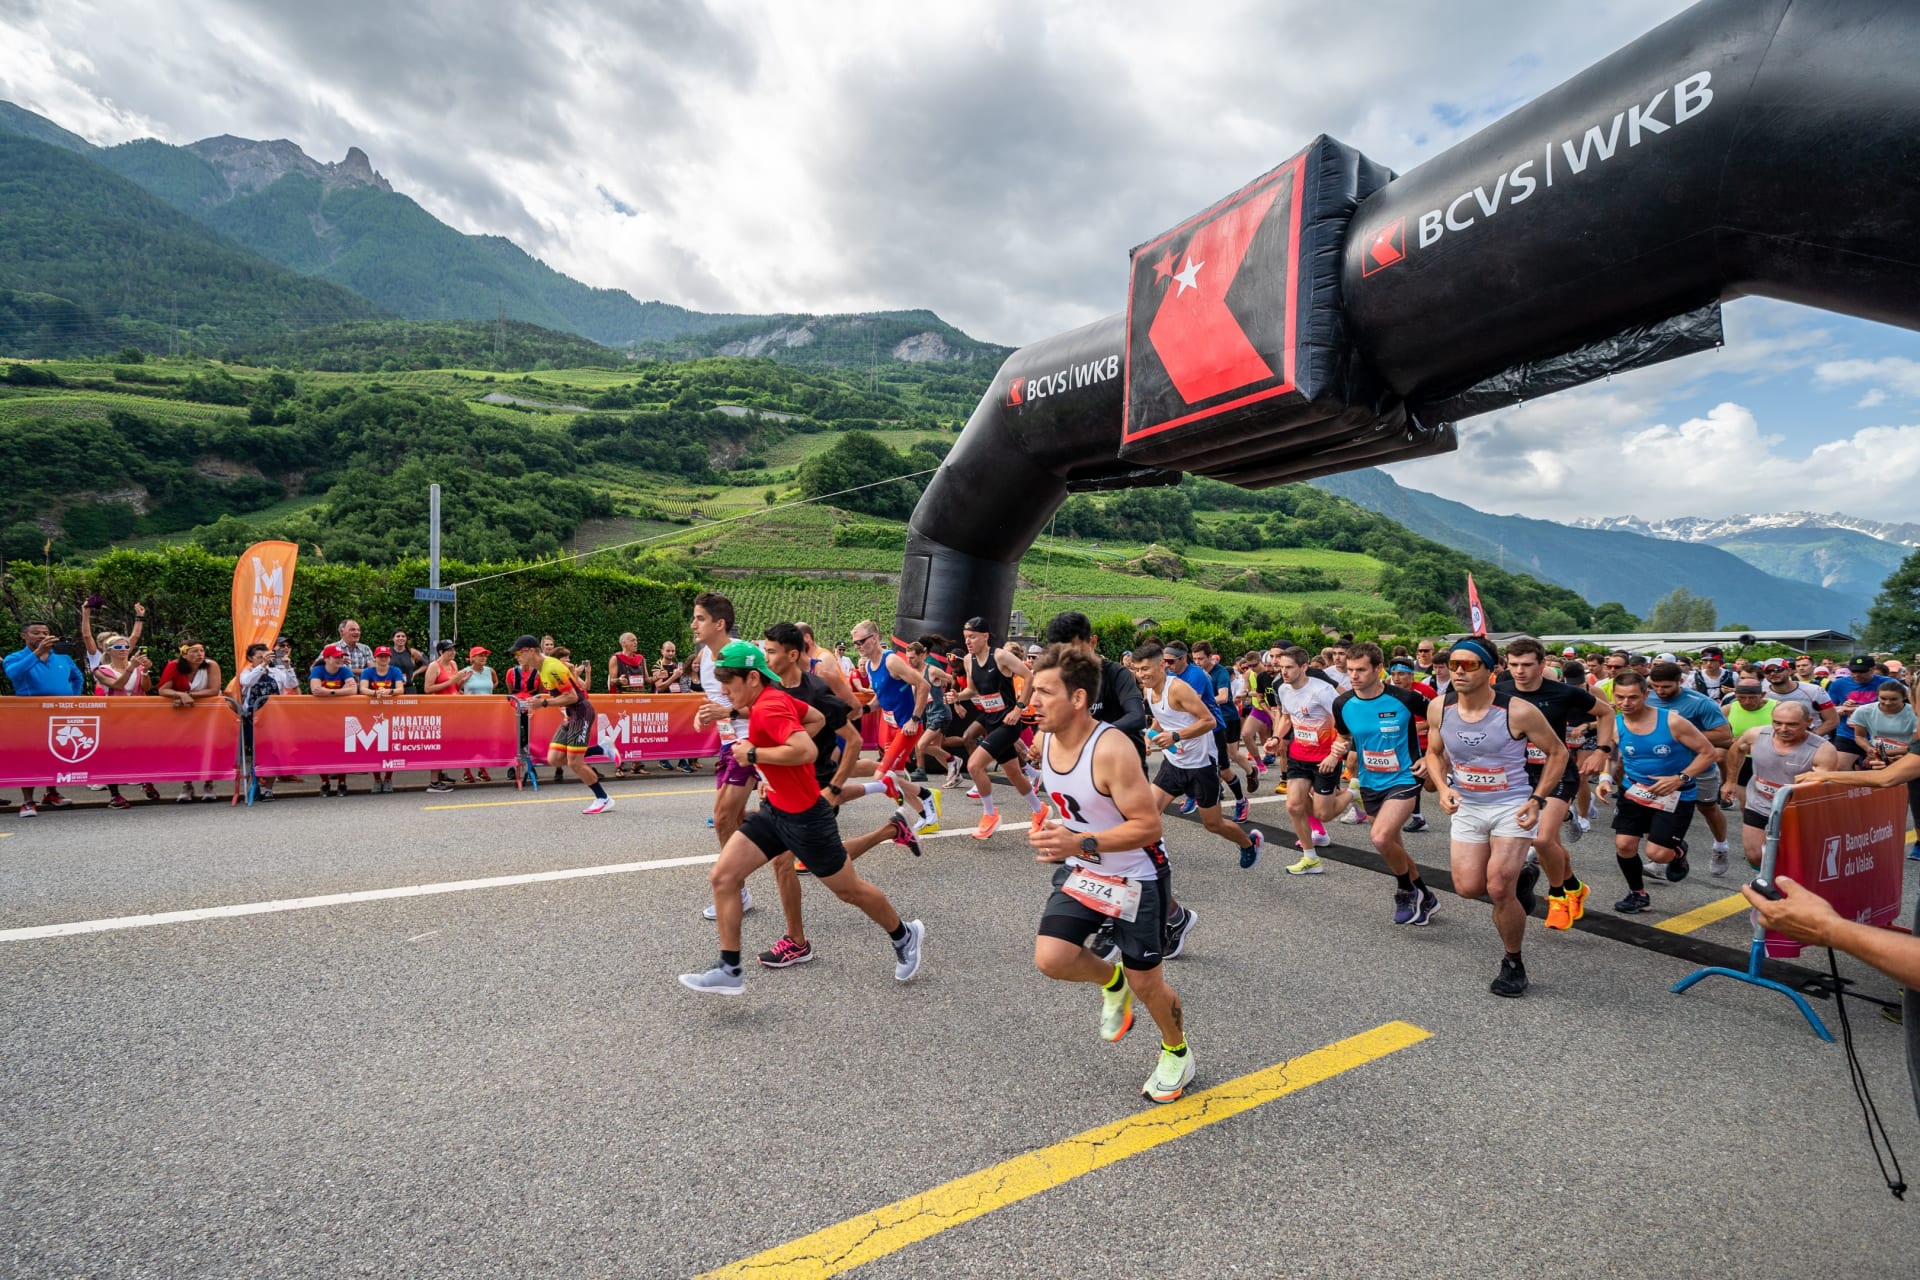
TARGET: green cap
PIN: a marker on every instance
(747, 656)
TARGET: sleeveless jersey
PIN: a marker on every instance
(1489, 763)
(1774, 768)
(1188, 753)
(991, 688)
(1385, 732)
(717, 695)
(1083, 807)
(893, 695)
(1647, 757)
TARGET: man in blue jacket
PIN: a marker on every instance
(36, 671)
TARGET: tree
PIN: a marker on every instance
(858, 461)
(1612, 618)
(1893, 623)
(1682, 610)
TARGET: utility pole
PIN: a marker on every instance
(433, 568)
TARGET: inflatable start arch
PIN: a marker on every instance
(1330, 315)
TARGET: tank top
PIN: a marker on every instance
(135, 686)
(629, 665)
(989, 685)
(436, 669)
(1083, 807)
(1774, 768)
(717, 695)
(1188, 753)
(1647, 757)
(894, 695)
(402, 661)
(1489, 765)
(480, 681)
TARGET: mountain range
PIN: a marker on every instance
(343, 224)
(1631, 567)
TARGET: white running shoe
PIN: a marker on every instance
(908, 954)
(1321, 839)
(715, 981)
(1353, 817)
(746, 905)
(973, 793)
(600, 805)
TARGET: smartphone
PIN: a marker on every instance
(141, 651)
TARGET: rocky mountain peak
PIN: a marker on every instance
(249, 165)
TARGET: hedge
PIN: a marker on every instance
(188, 593)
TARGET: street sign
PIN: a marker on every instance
(434, 595)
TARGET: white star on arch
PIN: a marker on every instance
(1186, 275)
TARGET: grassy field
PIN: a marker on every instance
(37, 405)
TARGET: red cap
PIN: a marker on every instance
(479, 651)
(333, 651)
(383, 652)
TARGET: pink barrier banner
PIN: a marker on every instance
(640, 726)
(357, 734)
(48, 742)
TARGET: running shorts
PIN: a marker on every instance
(1225, 737)
(1203, 784)
(732, 773)
(1260, 714)
(1308, 771)
(1753, 818)
(1141, 939)
(1849, 745)
(1479, 823)
(1657, 825)
(572, 736)
(812, 836)
(899, 750)
(1371, 800)
(1002, 741)
(1566, 789)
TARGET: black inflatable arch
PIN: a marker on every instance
(1331, 316)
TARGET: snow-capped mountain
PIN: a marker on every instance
(1716, 528)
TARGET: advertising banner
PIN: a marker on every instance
(1847, 845)
(60, 742)
(262, 582)
(296, 735)
(640, 726)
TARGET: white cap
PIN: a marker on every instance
(1664, 657)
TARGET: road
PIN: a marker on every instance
(507, 1080)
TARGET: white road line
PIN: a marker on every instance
(1022, 826)
(343, 899)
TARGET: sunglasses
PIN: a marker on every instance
(115, 648)
(1468, 664)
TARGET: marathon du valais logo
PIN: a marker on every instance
(386, 734)
(627, 730)
(269, 590)
(72, 739)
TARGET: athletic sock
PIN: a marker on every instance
(1572, 885)
(1034, 802)
(986, 804)
(1318, 828)
(1177, 1050)
(878, 787)
(1117, 981)
(1720, 846)
(898, 934)
(730, 961)
(1406, 882)
(1233, 780)
(1630, 868)
(1514, 956)
(599, 790)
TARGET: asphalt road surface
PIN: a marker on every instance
(505, 1079)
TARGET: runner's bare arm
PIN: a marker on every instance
(1116, 770)
(1736, 756)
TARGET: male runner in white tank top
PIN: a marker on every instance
(1107, 832)
(713, 631)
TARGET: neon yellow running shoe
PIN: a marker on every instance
(1171, 1077)
(1116, 1013)
(1309, 865)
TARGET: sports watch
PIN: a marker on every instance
(1089, 845)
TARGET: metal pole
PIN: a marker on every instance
(433, 565)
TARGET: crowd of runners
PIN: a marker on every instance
(1519, 747)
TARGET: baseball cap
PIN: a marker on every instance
(1665, 657)
(382, 651)
(282, 642)
(526, 642)
(443, 646)
(1860, 662)
(1822, 671)
(1713, 651)
(1569, 652)
(1773, 663)
(747, 657)
(333, 651)
(1896, 666)
(479, 651)
(975, 624)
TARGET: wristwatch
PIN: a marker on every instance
(753, 755)
(1089, 845)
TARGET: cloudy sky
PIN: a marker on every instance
(992, 161)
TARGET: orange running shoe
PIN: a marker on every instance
(1559, 914)
(989, 823)
(1577, 900)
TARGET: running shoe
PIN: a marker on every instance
(1585, 825)
(709, 821)
(973, 793)
(1577, 901)
(1718, 864)
(1653, 870)
(1169, 1079)
(1511, 980)
(1188, 805)
(1177, 933)
(150, 791)
(916, 775)
(438, 788)
(1636, 901)
(989, 823)
(746, 905)
(909, 952)
(1241, 808)
(484, 777)
(1559, 913)
(600, 805)
(904, 837)
(326, 789)
(930, 823)
(1523, 887)
(467, 777)
(1429, 903)
(1321, 839)
(1250, 856)
(953, 772)
(1116, 1012)
(119, 802)
(715, 981)
(1104, 945)
(54, 800)
(96, 786)
(1253, 782)
(1353, 817)
(1308, 865)
(688, 767)
(1678, 869)
(1268, 760)
(28, 811)
(1417, 823)
(1406, 904)
(786, 953)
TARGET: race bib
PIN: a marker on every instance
(1642, 794)
(887, 716)
(1576, 740)
(1114, 896)
(1380, 761)
(727, 732)
(1480, 779)
(1310, 734)
(1764, 789)
(992, 702)
(1535, 755)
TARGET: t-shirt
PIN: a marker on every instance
(1740, 719)
(1563, 705)
(392, 680)
(816, 693)
(1201, 683)
(1702, 711)
(1385, 734)
(1812, 696)
(1222, 677)
(554, 677)
(775, 717)
(1310, 708)
(1847, 691)
(1871, 724)
(331, 679)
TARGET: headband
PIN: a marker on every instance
(1477, 647)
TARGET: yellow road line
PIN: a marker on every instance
(576, 797)
(860, 1240)
(1701, 917)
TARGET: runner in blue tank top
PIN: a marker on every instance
(1379, 725)
(1662, 755)
(1477, 740)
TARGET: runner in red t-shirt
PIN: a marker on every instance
(779, 744)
